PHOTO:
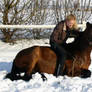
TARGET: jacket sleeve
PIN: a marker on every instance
(57, 34)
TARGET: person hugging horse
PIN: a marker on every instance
(59, 36)
(43, 59)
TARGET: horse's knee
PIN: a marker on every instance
(85, 73)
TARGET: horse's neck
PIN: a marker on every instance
(84, 45)
(83, 42)
(88, 49)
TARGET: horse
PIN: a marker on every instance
(43, 59)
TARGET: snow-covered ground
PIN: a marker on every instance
(53, 84)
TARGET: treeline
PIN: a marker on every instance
(15, 12)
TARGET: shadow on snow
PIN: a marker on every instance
(5, 66)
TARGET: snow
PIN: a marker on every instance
(53, 84)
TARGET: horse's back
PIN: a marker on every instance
(43, 57)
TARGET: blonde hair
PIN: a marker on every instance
(72, 17)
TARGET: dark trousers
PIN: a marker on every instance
(61, 57)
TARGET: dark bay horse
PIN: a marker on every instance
(42, 59)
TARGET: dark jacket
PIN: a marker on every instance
(59, 35)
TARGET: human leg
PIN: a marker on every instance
(61, 54)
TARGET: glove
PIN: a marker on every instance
(70, 40)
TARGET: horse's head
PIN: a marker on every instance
(88, 32)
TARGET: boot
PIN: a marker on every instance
(59, 70)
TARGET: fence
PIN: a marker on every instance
(35, 26)
(29, 31)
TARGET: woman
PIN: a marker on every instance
(58, 38)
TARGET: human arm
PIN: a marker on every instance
(58, 34)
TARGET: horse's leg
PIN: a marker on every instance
(27, 77)
(28, 74)
(85, 73)
(13, 75)
(34, 58)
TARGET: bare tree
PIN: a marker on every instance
(86, 9)
(81, 8)
(39, 17)
(10, 15)
(20, 12)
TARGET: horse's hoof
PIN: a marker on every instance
(9, 75)
(27, 77)
(85, 73)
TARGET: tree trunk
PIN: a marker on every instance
(7, 36)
